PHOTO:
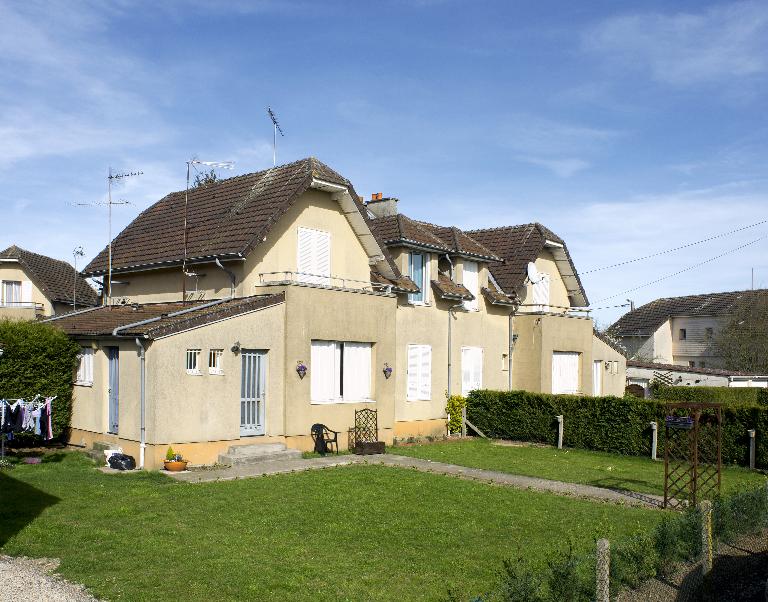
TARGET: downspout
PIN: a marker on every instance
(448, 257)
(232, 277)
(450, 329)
(142, 401)
(512, 339)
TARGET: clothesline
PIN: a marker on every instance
(20, 416)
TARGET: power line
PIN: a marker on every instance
(690, 267)
(690, 244)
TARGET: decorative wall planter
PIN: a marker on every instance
(301, 369)
(387, 371)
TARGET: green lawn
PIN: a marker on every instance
(350, 533)
(572, 465)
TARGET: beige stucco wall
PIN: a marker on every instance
(613, 383)
(428, 325)
(314, 209)
(696, 346)
(12, 271)
(558, 294)
(662, 344)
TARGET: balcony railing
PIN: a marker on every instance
(21, 305)
(558, 310)
(320, 280)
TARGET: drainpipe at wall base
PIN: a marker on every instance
(450, 325)
(142, 405)
(512, 339)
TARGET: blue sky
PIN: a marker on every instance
(627, 128)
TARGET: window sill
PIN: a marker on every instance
(414, 400)
(194, 373)
(216, 372)
(419, 304)
(338, 401)
(84, 384)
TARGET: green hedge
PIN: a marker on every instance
(727, 395)
(38, 359)
(612, 424)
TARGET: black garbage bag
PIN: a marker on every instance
(122, 462)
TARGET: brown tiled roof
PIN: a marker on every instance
(496, 297)
(459, 242)
(400, 229)
(167, 318)
(690, 369)
(55, 278)
(403, 284)
(644, 320)
(519, 245)
(226, 219)
(448, 289)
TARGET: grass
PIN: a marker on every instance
(601, 469)
(353, 533)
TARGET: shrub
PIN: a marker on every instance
(170, 455)
(454, 407)
(612, 424)
(725, 395)
(38, 359)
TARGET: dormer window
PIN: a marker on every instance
(418, 270)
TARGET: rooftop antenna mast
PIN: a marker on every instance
(77, 252)
(275, 130)
(190, 163)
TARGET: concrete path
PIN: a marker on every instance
(488, 476)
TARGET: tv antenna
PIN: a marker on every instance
(76, 252)
(111, 177)
(190, 163)
(275, 130)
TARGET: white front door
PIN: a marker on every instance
(597, 378)
(471, 369)
(252, 392)
(565, 372)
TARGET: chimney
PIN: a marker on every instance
(380, 206)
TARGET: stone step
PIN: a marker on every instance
(238, 455)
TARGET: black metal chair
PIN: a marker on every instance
(324, 439)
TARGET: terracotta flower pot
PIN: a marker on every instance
(175, 465)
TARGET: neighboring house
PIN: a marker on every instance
(203, 341)
(641, 374)
(33, 286)
(678, 330)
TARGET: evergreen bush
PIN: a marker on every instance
(725, 395)
(38, 359)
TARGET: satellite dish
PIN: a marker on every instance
(533, 273)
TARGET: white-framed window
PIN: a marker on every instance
(340, 371)
(193, 361)
(216, 361)
(682, 334)
(471, 369)
(313, 256)
(541, 293)
(614, 367)
(419, 387)
(565, 372)
(84, 376)
(418, 270)
(470, 280)
(11, 292)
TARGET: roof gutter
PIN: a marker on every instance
(115, 332)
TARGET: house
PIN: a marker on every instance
(33, 286)
(679, 330)
(286, 301)
(641, 374)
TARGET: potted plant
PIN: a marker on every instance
(174, 462)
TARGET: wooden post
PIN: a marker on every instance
(705, 508)
(603, 570)
(751, 433)
(464, 421)
(654, 439)
(560, 432)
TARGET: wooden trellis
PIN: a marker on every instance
(692, 460)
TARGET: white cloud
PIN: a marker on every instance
(720, 43)
(563, 168)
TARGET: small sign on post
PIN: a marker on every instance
(560, 432)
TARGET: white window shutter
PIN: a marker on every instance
(597, 378)
(414, 364)
(565, 372)
(470, 282)
(304, 257)
(425, 373)
(541, 293)
(322, 371)
(322, 253)
(471, 369)
(357, 371)
(26, 291)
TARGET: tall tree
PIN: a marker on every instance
(743, 341)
